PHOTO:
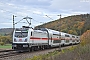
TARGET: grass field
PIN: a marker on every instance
(7, 46)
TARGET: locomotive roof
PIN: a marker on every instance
(20, 29)
(49, 30)
(42, 29)
(52, 31)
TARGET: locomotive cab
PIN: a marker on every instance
(20, 38)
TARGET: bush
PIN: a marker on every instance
(6, 39)
(1, 43)
(48, 56)
(85, 38)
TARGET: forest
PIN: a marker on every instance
(75, 24)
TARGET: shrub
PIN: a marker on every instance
(85, 38)
(1, 43)
(6, 39)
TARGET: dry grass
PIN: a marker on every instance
(79, 53)
(74, 53)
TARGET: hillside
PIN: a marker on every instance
(5, 31)
(76, 24)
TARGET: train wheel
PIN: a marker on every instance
(43, 48)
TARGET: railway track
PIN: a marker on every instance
(7, 53)
(17, 55)
(6, 50)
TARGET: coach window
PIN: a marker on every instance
(73, 36)
(66, 35)
(51, 39)
(31, 33)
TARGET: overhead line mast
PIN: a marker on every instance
(13, 22)
(60, 16)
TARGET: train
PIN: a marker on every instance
(27, 38)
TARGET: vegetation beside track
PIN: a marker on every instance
(45, 56)
(51, 55)
(73, 53)
(5, 40)
(6, 46)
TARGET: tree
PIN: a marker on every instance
(5, 39)
(85, 38)
(70, 31)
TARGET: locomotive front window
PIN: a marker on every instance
(21, 34)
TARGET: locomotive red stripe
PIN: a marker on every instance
(36, 38)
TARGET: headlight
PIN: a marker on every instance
(25, 45)
(15, 40)
(14, 45)
(25, 40)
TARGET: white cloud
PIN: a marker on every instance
(37, 12)
(44, 0)
(10, 4)
(6, 23)
(37, 9)
(69, 4)
(2, 11)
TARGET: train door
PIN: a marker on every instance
(67, 39)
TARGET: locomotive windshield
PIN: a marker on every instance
(21, 34)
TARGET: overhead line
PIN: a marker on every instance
(49, 17)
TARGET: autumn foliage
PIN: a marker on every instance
(5, 40)
(85, 38)
(75, 24)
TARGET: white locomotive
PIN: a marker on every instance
(42, 38)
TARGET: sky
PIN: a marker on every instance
(38, 9)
